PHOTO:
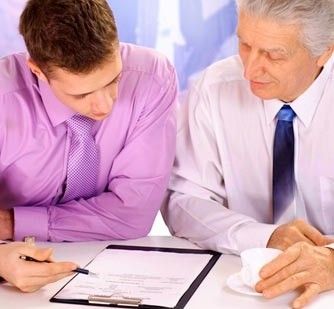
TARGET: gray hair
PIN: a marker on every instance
(315, 17)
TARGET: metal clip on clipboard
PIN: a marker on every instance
(114, 300)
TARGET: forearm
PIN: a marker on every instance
(128, 213)
(105, 217)
(213, 226)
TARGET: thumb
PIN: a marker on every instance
(329, 240)
(40, 254)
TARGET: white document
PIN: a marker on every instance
(158, 278)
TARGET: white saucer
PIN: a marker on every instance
(234, 282)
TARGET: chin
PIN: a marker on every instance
(263, 94)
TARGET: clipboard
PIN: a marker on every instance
(131, 302)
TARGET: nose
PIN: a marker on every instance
(103, 102)
(253, 65)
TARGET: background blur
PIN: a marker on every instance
(192, 33)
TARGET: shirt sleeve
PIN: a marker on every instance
(197, 206)
(137, 182)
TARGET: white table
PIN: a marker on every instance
(212, 293)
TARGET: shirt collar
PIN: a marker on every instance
(306, 104)
(56, 110)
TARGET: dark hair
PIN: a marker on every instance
(75, 35)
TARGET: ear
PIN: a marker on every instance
(36, 70)
(325, 56)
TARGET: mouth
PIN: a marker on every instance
(99, 116)
(259, 84)
(255, 82)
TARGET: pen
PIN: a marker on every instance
(77, 270)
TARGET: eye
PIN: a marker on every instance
(244, 45)
(117, 80)
(114, 82)
(275, 56)
(80, 96)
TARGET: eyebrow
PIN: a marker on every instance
(87, 93)
(268, 50)
(276, 50)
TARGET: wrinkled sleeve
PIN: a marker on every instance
(196, 207)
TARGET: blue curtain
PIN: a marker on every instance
(192, 33)
(10, 39)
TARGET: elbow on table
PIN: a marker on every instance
(135, 228)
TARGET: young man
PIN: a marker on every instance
(30, 276)
(87, 128)
(254, 148)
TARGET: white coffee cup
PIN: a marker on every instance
(253, 260)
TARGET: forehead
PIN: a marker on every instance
(88, 82)
(266, 32)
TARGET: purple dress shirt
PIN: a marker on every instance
(136, 144)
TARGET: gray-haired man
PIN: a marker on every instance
(255, 146)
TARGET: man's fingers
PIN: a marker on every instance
(32, 284)
(40, 254)
(311, 290)
(29, 288)
(51, 269)
(289, 234)
(329, 240)
(303, 238)
(281, 275)
(289, 284)
(312, 233)
(50, 279)
(284, 259)
(281, 245)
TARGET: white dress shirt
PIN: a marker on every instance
(221, 187)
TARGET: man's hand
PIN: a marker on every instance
(301, 265)
(288, 234)
(6, 224)
(31, 276)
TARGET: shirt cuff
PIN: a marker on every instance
(31, 221)
(254, 235)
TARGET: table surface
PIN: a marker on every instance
(213, 293)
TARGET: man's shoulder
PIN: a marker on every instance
(146, 60)
(14, 73)
(226, 71)
(220, 84)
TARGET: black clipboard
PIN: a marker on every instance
(182, 301)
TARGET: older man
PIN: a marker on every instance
(254, 150)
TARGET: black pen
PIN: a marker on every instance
(77, 270)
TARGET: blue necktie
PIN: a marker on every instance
(283, 164)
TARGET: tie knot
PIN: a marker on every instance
(286, 113)
(79, 124)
